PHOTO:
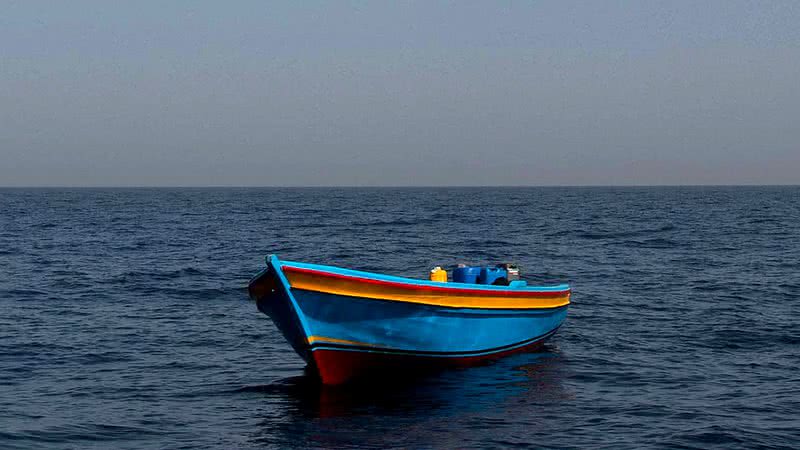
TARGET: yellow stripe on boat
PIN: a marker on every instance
(356, 288)
(313, 339)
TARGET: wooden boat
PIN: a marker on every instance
(347, 324)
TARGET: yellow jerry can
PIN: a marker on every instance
(439, 274)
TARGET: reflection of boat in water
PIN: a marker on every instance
(539, 376)
(435, 412)
(348, 323)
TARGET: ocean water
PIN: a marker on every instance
(125, 323)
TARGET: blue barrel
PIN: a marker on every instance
(468, 274)
(490, 274)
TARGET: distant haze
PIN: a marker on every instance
(405, 93)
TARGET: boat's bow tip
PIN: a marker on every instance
(261, 285)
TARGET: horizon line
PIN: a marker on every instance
(388, 186)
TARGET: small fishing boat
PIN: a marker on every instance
(349, 324)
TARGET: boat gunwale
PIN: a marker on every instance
(422, 285)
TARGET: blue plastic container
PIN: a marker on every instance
(490, 274)
(468, 274)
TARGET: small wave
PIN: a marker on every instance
(201, 293)
(712, 435)
(279, 386)
(710, 286)
(139, 275)
(24, 293)
(763, 220)
(624, 234)
(395, 222)
(91, 359)
(10, 251)
(652, 243)
(739, 339)
(26, 349)
(77, 433)
(45, 225)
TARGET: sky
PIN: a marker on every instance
(373, 93)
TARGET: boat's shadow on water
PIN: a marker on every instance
(415, 402)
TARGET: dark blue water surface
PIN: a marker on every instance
(124, 319)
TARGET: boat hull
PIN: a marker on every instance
(346, 334)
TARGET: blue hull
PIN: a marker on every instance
(421, 329)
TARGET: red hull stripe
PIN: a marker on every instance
(338, 366)
(415, 287)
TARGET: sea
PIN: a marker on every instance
(125, 320)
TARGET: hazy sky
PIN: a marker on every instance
(407, 93)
